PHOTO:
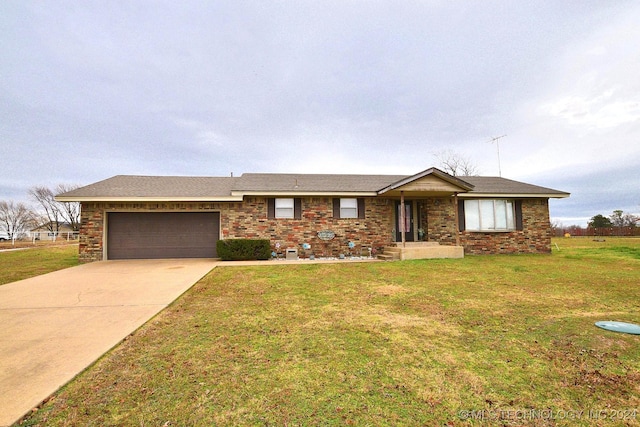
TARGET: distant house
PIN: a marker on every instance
(327, 215)
(43, 232)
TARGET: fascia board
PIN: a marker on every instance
(511, 196)
(150, 199)
(306, 193)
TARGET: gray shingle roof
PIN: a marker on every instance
(497, 185)
(131, 187)
(313, 183)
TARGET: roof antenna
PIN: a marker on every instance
(496, 140)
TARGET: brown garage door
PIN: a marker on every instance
(135, 235)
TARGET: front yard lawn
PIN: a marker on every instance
(34, 261)
(499, 340)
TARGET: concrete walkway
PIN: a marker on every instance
(55, 325)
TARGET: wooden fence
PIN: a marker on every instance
(603, 231)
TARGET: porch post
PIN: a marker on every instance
(455, 209)
(403, 218)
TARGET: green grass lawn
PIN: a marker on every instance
(485, 340)
(22, 264)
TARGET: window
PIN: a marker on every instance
(348, 208)
(284, 208)
(490, 215)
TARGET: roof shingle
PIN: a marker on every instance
(313, 182)
(127, 187)
(498, 185)
(155, 186)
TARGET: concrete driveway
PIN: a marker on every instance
(55, 325)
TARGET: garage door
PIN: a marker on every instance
(136, 235)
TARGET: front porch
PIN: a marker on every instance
(420, 250)
(425, 215)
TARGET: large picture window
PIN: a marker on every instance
(489, 215)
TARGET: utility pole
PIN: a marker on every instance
(496, 140)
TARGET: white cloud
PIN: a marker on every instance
(200, 135)
(598, 112)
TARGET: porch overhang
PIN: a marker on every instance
(429, 183)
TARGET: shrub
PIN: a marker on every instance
(243, 249)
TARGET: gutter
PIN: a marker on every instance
(147, 199)
(473, 195)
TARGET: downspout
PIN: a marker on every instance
(455, 209)
(403, 218)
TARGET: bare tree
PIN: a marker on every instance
(55, 213)
(52, 211)
(617, 218)
(455, 163)
(16, 218)
(620, 219)
(70, 210)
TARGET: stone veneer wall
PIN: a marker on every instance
(91, 231)
(535, 237)
(440, 217)
(249, 220)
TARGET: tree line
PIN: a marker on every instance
(618, 223)
(617, 219)
(18, 218)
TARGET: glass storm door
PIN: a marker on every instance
(408, 222)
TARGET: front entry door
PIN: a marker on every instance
(408, 223)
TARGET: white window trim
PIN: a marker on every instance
(349, 208)
(284, 208)
(474, 206)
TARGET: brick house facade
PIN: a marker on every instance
(435, 213)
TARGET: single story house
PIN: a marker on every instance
(322, 214)
(43, 232)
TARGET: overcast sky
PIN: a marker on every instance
(92, 89)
